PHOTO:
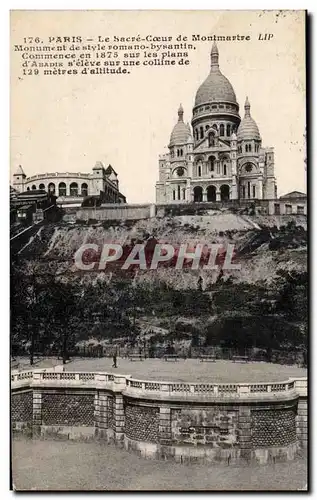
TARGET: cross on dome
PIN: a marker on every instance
(180, 113)
(247, 107)
(214, 57)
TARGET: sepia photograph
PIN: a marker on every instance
(158, 250)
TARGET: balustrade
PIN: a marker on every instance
(128, 384)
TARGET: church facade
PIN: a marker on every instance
(219, 157)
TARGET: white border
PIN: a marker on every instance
(310, 5)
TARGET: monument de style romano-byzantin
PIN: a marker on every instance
(220, 157)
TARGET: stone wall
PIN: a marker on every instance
(215, 427)
(228, 423)
(116, 212)
(141, 423)
(273, 427)
(67, 408)
(22, 407)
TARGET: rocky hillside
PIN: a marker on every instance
(263, 245)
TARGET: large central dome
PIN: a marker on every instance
(216, 87)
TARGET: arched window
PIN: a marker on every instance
(84, 189)
(215, 126)
(198, 194)
(62, 189)
(211, 193)
(253, 191)
(173, 194)
(181, 152)
(228, 130)
(211, 163)
(224, 192)
(201, 132)
(199, 170)
(73, 189)
(184, 193)
(246, 148)
(28, 188)
(41, 186)
(196, 134)
(33, 187)
(207, 127)
(225, 169)
(51, 188)
(178, 192)
(222, 130)
(211, 140)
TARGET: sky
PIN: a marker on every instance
(67, 123)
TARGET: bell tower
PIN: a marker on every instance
(19, 179)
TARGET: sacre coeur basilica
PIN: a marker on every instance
(219, 157)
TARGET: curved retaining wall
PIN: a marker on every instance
(228, 423)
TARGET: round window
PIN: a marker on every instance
(248, 168)
(180, 171)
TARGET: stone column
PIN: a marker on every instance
(37, 412)
(204, 195)
(152, 210)
(218, 196)
(260, 189)
(165, 431)
(301, 422)
(119, 419)
(188, 193)
(101, 414)
(234, 190)
(244, 426)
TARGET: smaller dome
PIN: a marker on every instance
(248, 128)
(181, 132)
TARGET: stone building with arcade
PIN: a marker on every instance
(219, 157)
(71, 188)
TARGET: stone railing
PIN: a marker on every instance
(238, 390)
(58, 174)
(151, 388)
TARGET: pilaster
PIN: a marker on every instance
(165, 430)
(301, 422)
(37, 411)
(245, 437)
(119, 419)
